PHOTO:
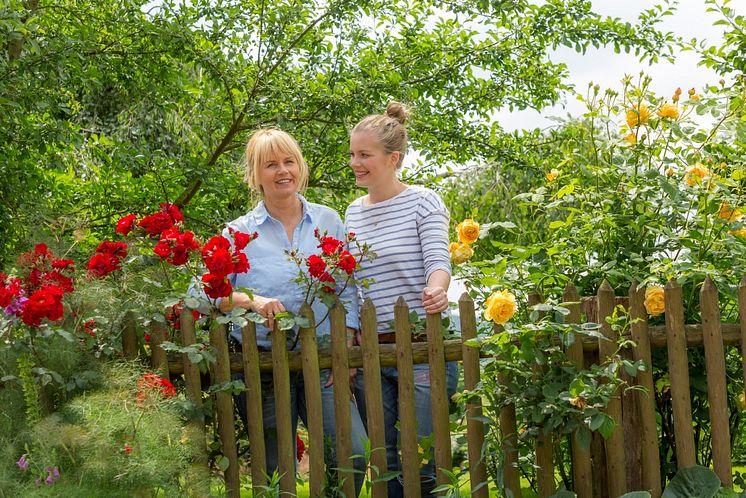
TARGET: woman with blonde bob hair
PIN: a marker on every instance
(285, 221)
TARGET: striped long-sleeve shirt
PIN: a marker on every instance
(409, 236)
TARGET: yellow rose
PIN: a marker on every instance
(728, 213)
(695, 174)
(631, 138)
(500, 307)
(669, 172)
(637, 117)
(460, 253)
(552, 175)
(668, 111)
(468, 231)
(741, 232)
(742, 400)
(654, 300)
(694, 98)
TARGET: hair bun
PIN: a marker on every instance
(397, 111)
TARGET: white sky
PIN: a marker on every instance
(606, 68)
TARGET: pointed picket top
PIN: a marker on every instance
(672, 284)
(708, 286)
(605, 287)
(570, 294)
(401, 302)
(466, 298)
(368, 303)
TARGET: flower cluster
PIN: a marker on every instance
(107, 259)
(500, 306)
(38, 294)
(222, 260)
(468, 233)
(154, 224)
(150, 384)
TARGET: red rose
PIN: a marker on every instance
(327, 277)
(9, 290)
(347, 262)
(61, 264)
(117, 249)
(219, 262)
(102, 264)
(89, 327)
(156, 223)
(240, 239)
(42, 250)
(174, 246)
(43, 303)
(300, 447)
(56, 278)
(127, 449)
(126, 224)
(215, 243)
(240, 263)
(316, 265)
(330, 245)
(216, 285)
(172, 210)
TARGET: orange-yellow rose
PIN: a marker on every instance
(637, 116)
(669, 172)
(742, 400)
(552, 175)
(668, 111)
(654, 300)
(500, 307)
(741, 232)
(460, 253)
(696, 174)
(631, 138)
(468, 231)
(728, 213)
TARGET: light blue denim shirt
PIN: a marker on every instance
(272, 273)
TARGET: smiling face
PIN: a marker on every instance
(279, 176)
(372, 165)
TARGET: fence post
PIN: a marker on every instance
(158, 354)
(221, 372)
(341, 372)
(717, 391)
(439, 399)
(373, 397)
(129, 336)
(410, 458)
(651, 475)
(474, 426)
(199, 472)
(285, 439)
(615, 460)
(254, 412)
(509, 433)
(678, 373)
(582, 476)
(312, 382)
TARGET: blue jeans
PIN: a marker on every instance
(298, 409)
(423, 411)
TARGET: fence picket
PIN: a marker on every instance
(254, 411)
(284, 427)
(509, 434)
(226, 425)
(373, 397)
(157, 353)
(582, 476)
(651, 476)
(199, 473)
(312, 384)
(473, 411)
(341, 372)
(410, 458)
(129, 336)
(678, 371)
(614, 444)
(439, 400)
(742, 318)
(717, 394)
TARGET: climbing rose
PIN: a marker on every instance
(126, 224)
(668, 111)
(500, 307)
(330, 245)
(216, 285)
(347, 262)
(468, 231)
(316, 265)
(637, 116)
(460, 253)
(654, 300)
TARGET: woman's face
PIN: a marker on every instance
(279, 176)
(370, 162)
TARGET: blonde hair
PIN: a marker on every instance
(268, 143)
(388, 128)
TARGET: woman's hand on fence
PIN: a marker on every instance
(267, 307)
(434, 300)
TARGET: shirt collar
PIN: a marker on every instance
(261, 214)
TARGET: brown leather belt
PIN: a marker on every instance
(390, 338)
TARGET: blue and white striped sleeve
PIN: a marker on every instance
(432, 228)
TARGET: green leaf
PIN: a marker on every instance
(636, 494)
(697, 481)
(223, 463)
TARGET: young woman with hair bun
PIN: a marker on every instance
(406, 227)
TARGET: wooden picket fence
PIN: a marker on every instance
(627, 461)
